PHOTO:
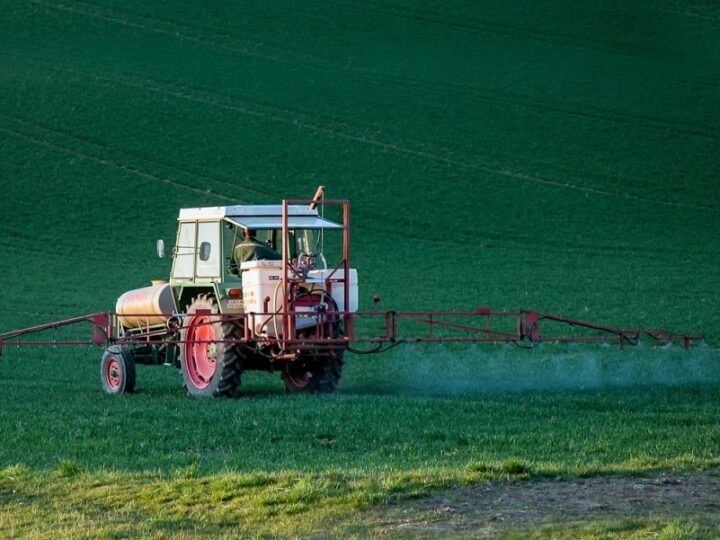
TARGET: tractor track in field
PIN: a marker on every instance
(132, 156)
(141, 21)
(337, 129)
(528, 244)
(20, 243)
(502, 29)
(435, 18)
(340, 129)
(108, 162)
(687, 12)
(623, 118)
(495, 509)
(594, 250)
(118, 164)
(148, 23)
(27, 244)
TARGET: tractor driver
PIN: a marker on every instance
(251, 249)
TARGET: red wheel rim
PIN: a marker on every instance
(200, 353)
(113, 373)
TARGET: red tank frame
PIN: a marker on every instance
(522, 327)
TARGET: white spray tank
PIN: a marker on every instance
(263, 279)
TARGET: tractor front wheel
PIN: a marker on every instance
(117, 371)
(210, 365)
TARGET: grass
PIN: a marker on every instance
(368, 427)
(548, 155)
(405, 422)
(273, 464)
(337, 502)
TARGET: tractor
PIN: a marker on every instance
(218, 316)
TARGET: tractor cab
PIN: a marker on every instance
(210, 255)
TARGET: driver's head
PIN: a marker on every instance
(249, 233)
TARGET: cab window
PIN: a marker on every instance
(184, 251)
(207, 256)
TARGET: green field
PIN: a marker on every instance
(552, 155)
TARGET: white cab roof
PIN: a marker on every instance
(261, 216)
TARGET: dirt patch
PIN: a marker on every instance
(493, 508)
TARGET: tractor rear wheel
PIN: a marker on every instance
(211, 367)
(319, 375)
(315, 371)
(117, 371)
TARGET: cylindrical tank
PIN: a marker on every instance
(145, 307)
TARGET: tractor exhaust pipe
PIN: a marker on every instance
(319, 194)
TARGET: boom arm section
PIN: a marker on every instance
(521, 327)
(102, 332)
(391, 328)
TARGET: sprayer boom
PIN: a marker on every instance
(279, 305)
(392, 328)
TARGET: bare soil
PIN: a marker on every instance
(493, 509)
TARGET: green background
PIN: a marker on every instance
(553, 155)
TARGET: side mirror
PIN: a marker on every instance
(160, 248)
(204, 251)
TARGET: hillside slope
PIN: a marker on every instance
(556, 156)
